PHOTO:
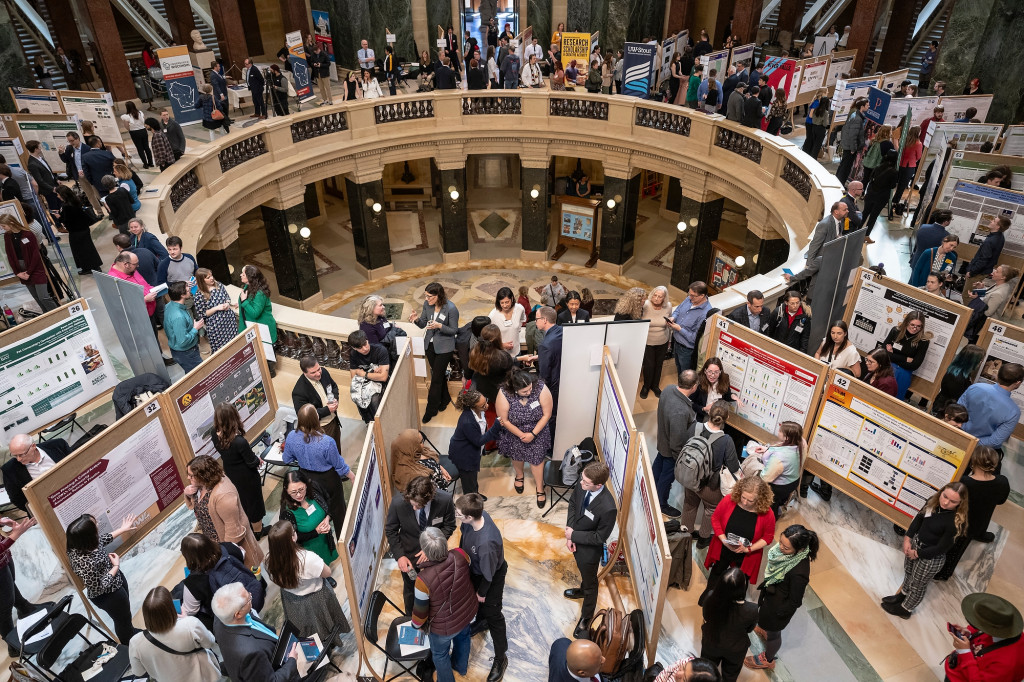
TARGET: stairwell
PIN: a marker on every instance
(933, 32)
(31, 46)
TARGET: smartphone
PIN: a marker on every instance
(954, 630)
(667, 318)
(177, 606)
(788, 271)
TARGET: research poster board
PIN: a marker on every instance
(813, 78)
(883, 453)
(576, 46)
(890, 82)
(1013, 141)
(957, 106)
(1002, 343)
(921, 108)
(49, 129)
(770, 381)
(718, 60)
(971, 166)
(50, 366)
(615, 431)
(969, 137)
(647, 551)
(97, 107)
(839, 68)
(846, 92)
(974, 205)
(36, 100)
(878, 304)
(666, 49)
(399, 406)
(235, 374)
(793, 91)
(743, 53)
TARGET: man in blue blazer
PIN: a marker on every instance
(929, 236)
(549, 352)
(98, 163)
(570, 661)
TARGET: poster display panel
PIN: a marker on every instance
(894, 456)
(577, 46)
(237, 375)
(1013, 141)
(364, 539)
(51, 131)
(969, 137)
(920, 109)
(668, 48)
(50, 366)
(975, 205)
(613, 432)
(813, 79)
(1002, 343)
(637, 69)
(715, 60)
(957, 106)
(37, 101)
(322, 32)
(846, 92)
(840, 67)
(890, 82)
(743, 53)
(780, 72)
(793, 91)
(971, 166)
(97, 107)
(300, 68)
(180, 80)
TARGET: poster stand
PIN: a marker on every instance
(762, 372)
(885, 454)
(399, 406)
(839, 68)
(1012, 141)
(813, 82)
(577, 224)
(1002, 343)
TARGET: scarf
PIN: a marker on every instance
(780, 564)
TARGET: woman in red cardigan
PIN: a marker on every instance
(26, 260)
(745, 514)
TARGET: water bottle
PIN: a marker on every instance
(412, 574)
(192, 286)
(9, 315)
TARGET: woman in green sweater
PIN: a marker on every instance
(254, 305)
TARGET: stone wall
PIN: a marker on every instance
(13, 69)
(355, 20)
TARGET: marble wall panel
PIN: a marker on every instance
(13, 69)
(397, 16)
(350, 23)
(439, 13)
(578, 16)
(539, 15)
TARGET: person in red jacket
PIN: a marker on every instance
(26, 260)
(743, 526)
(990, 648)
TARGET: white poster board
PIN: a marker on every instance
(974, 205)
(1002, 343)
(743, 53)
(367, 537)
(969, 137)
(52, 372)
(961, 167)
(37, 101)
(957, 106)
(839, 68)
(794, 87)
(890, 82)
(647, 563)
(51, 136)
(846, 92)
(1013, 141)
(668, 48)
(613, 431)
(98, 108)
(921, 108)
(716, 60)
(814, 73)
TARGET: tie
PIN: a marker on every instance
(586, 500)
(423, 519)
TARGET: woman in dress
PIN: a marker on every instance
(440, 318)
(676, 76)
(190, 643)
(712, 386)
(880, 374)
(471, 435)
(907, 347)
(370, 86)
(100, 570)
(745, 514)
(510, 317)
(73, 219)
(940, 259)
(304, 505)
(241, 465)
(214, 305)
(782, 590)
(524, 406)
(351, 92)
(254, 306)
(411, 457)
(631, 305)
(931, 534)
(777, 112)
(656, 308)
(782, 462)
(728, 620)
(214, 500)
(836, 350)
(307, 593)
(960, 374)
(26, 259)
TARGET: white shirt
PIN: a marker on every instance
(492, 69)
(509, 327)
(533, 49)
(372, 89)
(531, 75)
(481, 420)
(134, 123)
(37, 469)
(310, 568)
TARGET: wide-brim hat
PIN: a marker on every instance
(992, 615)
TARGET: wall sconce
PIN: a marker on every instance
(376, 208)
(613, 205)
(304, 232)
(534, 195)
(231, 269)
(681, 226)
(305, 247)
(740, 261)
(694, 222)
(453, 194)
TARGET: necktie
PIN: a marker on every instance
(586, 500)
(423, 519)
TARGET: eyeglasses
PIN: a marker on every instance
(21, 455)
(298, 492)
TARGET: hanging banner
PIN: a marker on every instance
(180, 79)
(878, 105)
(779, 71)
(37, 101)
(322, 32)
(576, 46)
(637, 68)
(97, 107)
(300, 68)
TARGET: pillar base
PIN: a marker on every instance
(614, 268)
(533, 255)
(456, 257)
(310, 303)
(382, 271)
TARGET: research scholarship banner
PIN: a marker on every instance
(180, 79)
(322, 32)
(577, 46)
(300, 68)
(637, 67)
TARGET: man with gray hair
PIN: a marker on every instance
(30, 461)
(247, 644)
(445, 597)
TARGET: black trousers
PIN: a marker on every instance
(845, 166)
(330, 481)
(368, 412)
(408, 588)
(490, 612)
(654, 360)
(259, 104)
(953, 556)
(469, 482)
(437, 395)
(588, 583)
(871, 213)
(782, 493)
(10, 597)
(116, 605)
(731, 666)
(141, 140)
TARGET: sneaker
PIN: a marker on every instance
(671, 512)
(759, 662)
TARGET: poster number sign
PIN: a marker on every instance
(151, 408)
(76, 309)
(250, 335)
(997, 329)
(842, 382)
(723, 324)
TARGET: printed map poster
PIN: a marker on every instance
(97, 107)
(37, 101)
(975, 205)
(889, 458)
(322, 32)
(180, 79)
(52, 372)
(300, 68)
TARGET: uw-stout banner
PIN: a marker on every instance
(637, 68)
(878, 105)
(322, 32)
(180, 79)
(300, 68)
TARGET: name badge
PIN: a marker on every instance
(25, 240)
(508, 323)
(440, 317)
(589, 514)
(310, 510)
(385, 324)
(799, 329)
(535, 404)
(437, 519)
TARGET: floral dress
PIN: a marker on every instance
(525, 418)
(202, 512)
(222, 326)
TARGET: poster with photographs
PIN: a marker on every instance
(1002, 343)
(577, 222)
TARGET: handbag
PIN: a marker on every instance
(726, 480)
(217, 114)
(362, 389)
(19, 673)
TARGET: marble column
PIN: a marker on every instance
(862, 33)
(746, 19)
(763, 247)
(294, 17)
(439, 13)
(540, 19)
(223, 254)
(14, 71)
(369, 227)
(251, 26)
(536, 225)
(618, 224)
(291, 253)
(454, 215)
(110, 51)
(896, 36)
(179, 18)
(702, 220)
(227, 21)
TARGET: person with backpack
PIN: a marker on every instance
(790, 324)
(743, 525)
(676, 419)
(698, 469)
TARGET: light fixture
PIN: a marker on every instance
(453, 193)
(376, 207)
(304, 232)
(740, 261)
(613, 205)
(535, 192)
(681, 226)
(693, 222)
(293, 228)
(231, 268)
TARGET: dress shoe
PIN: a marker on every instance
(823, 489)
(657, 392)
(582, 630)
(483, 497)
(644, 393)
(897, 610)
(759, 662)
(573, 593)
(703, 543)
(443, 407)
(541, 503)
(427, 416)
(893, 598)
(670, 511)
(986, 537)
(498, 669)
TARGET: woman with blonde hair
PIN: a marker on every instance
(930, 535)
(213, 305)
(373, 319)
(743, 526)
(656, 308)
(907, 347)
(631, 304)
(412, 457)
(880, 147)
(127, 178)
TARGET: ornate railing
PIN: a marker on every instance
(242, 151)
(321, 125)
(403, 111)
(663, 120)
(579, 108)
(795, 176)
(296, 345)
(183, 188)
(738, 143)
(491, 105)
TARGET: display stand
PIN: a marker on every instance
(839, 68)
(1012, 141)
(771, 382)
(956, 106)
(1002, 343)
(883, 453)
(49, 129)
(813, 75)
(399, 406)
(577, 224)
(36, 100)
(723, 272)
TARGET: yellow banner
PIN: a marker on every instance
(576, 46)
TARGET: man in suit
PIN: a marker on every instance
(728, 85)
(752, 315)
(247, 644)
(97, 164)
(589, 522)
(502, 52)
(570, 661)
(444, 77)
(752, 111)
(254, 79)
(316, 387)
(420, 506)
(549, 355)
(854, 218)
(30, 461)
(44, 176)
(828, 228)
(734, 105)
(929, 236)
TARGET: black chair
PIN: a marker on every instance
(69, 422)
(391, 649)
(553, 481)
(14, 642)
(445, 462)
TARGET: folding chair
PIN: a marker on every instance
(391, 649)
(553, 481)
(69, 422)
(445, 462)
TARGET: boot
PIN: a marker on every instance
(893, 598)
(823, 489)
(897, 610)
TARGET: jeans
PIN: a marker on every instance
(683, 356)
(664, 470)
(187, 359)
(450, 652)
(511, 84)
(117, 607)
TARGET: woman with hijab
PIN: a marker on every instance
(411, 457)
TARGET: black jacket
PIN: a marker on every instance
(752, 114)
(855, 216)
(985, 259)
(729, 639)
(317, 494)
(304, 393)
(148, 264)
(464, 447)
(779, 602)
(10, 190)
(16, 474)
(248, 654)
(444, 78)
(590, 532)
(96, 164)
(44, 177)
(254, 79)
(564, 317)
(403, 530)
(68, 157)
(794, 335)
(320, 62)
(125, 392)
(739, 316)
(907, 356)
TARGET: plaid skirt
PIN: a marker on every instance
(318, 612)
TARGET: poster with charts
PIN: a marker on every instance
(972, 166)
(968, 137)
(54, 371)
(975, 205)
(1002, 343)
(51, 133)
(97, 107)
(367, 538)
(846, 92)
(718, 61)
(894, 460)
(613, 431)
(37, 101)
(767, 388)
(841, 67)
